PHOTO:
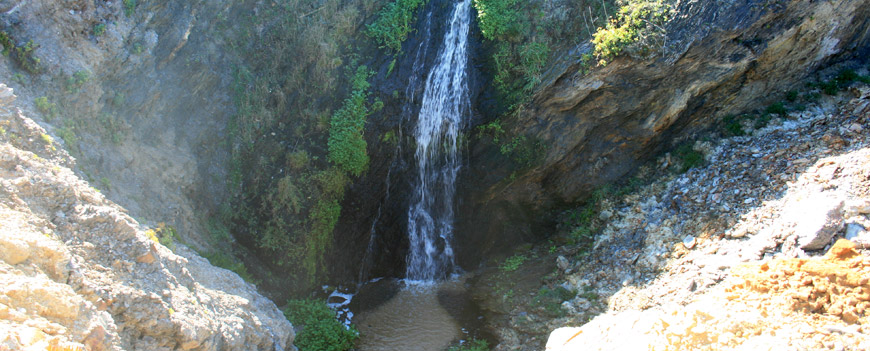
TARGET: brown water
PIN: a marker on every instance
(415, 317)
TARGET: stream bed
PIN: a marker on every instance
(397, 315)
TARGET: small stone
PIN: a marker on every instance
(605, 215)
(855, 127)
(562, 263)
(689, 241)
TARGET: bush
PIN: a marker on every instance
(228, 262)
(638, 24)
(129, 7)
(317, 328)
(500, 19)
(513, 263)
(347, 147)
(22, 55)
(48, 109)
(473, 345)
(689, 158)
(393, 24)
(77, 80)
(99, 29)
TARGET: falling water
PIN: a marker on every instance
(442, 115)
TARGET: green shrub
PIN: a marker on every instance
(637, 24)
(22, 55)
(229, 262)
(347, 147)
(500, 19)
(129, 7)
(689, 158)
(298, 160)
(99, 29)
(48, 109)
(777, 108)
(472, 345)
(513, 263)
(77, 80)
(791, 95)
(317, 328)
(733, 125)
(393, 24)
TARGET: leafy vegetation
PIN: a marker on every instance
(48, 109)
(22, 55)
(129, 7)
(550, 300)
(228, 262)
(689, 157)
(75, 82)
(638, 27)
(318, 329)
(347, 147)
(513, 263)
(393, 24)
(471, 345)
(99, 29)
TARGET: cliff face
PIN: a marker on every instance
(77, 271)
(718, 58)
(140, 95)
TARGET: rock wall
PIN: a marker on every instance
(77, 271)
(720, 58)
(141, 98)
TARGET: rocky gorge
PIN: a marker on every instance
(712, 163)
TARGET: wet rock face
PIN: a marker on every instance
(721, 58)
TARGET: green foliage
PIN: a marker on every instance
(500, 19)
(689, 158)
(99, 29)
(298, 160)
(524, 151)
(129, 7)
(106, 184)
(22, 55)
(733, 125)
(493, 129)
(394, 23)
(471, 345)
(317, 327)
(47, 108)
(513, 263)
(777, 108)
(6, 41)
(112, 127)
(791, 95)
(77, 80)
(69, 138)
(229, 262)
(19, 78)
(638, 26)
(550, 300)
(347, 147)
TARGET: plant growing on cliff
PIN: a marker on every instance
(393, 25)
(471, 345)
(318, 329)
(513, 263)
(22, 55)
(347, 147)
(638, 27)
(99, 29)
(47, 108)
(129, 7)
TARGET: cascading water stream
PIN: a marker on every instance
(443, 113)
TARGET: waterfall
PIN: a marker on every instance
(442, 114)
